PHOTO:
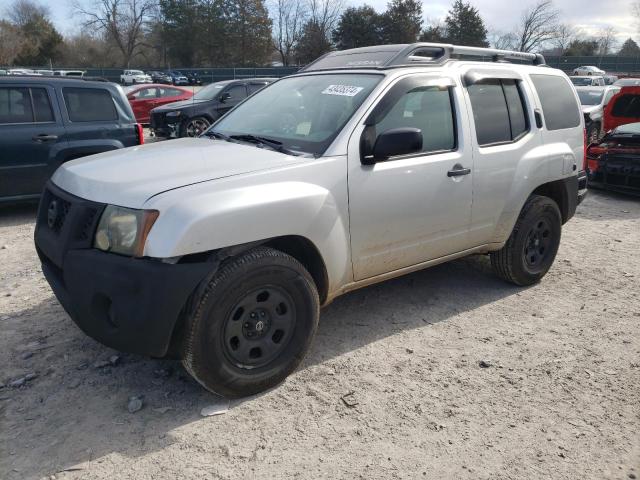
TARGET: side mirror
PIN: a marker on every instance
(397, 141)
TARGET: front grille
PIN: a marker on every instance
(65, 222)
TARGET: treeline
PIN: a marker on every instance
(210, 33)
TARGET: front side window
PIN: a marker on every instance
(428, 109)
(235, 93)
(15, 105)
(559, 107)
(254, 87)
(305, 113)
(89, 104)
(499, 112)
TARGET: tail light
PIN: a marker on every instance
(140, 134)
(584, 153)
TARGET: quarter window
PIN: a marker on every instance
(428, 109)
(499, 112)
(559, 106)
(89, 105)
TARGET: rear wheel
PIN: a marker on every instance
(252, 325)
(532, 245)
(194, 127)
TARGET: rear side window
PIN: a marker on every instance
(499, 111)
(89, 105)
(15, 105)
(559, 106)
(626, 106)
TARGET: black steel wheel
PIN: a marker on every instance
(251, 324)
(259, 327)
(533, 243)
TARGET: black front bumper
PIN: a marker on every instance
(130, 304)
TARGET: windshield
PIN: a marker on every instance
(209, 92)
(581, 81)
(136, 72)
(304, 113)
(590, 97)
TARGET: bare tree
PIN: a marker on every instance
(122, 21)
(564, 36)
(606, 39)
(22, 12)
(503, 41)
(11, 42)
(538, 26)
(288, 24)
(325, 14)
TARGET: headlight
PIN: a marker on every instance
(124, 230)
(174, 114)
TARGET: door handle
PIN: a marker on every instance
(43, 137)
(458, 170)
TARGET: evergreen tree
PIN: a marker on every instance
(464, 26)
(629, 48)
(582, 48)
(248, 32)
(313, 43)
(402, 21)
(358, 27)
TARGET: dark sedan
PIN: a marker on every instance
(192, 117)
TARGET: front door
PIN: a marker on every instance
(31, 133)
(413, 208)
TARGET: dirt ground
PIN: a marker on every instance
(392, 388)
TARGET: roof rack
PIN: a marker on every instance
(404, 55)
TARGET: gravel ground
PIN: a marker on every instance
(445, 373)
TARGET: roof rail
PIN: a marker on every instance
(392, 56)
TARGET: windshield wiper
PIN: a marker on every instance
(264, 141)
(219, 135)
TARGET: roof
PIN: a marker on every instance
(415, 54)
(27, 79)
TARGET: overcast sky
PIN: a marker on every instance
(502, 15)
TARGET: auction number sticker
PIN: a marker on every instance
(343, 90)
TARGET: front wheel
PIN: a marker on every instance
(252, 325)
(532, 245)
(194, 127)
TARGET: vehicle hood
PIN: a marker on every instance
(169, 107)
(130, 176)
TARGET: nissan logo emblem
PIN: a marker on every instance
(52, 214)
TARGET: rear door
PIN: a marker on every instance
(502, 113)
(31, 136)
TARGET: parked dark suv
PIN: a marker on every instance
(46, 121)
(191, 117)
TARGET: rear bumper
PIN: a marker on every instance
(582, 186)
(130, 304)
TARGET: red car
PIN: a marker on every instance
(623, 108)
(144, 98)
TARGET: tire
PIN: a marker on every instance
(193, 127)
(252, 324)
(133, 82)
(532, 245)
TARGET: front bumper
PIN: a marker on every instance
(616, 172)
(129, 304)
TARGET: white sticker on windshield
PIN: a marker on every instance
(344, 90)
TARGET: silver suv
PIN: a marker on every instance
(366, 165)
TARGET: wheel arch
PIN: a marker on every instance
(560, 192)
